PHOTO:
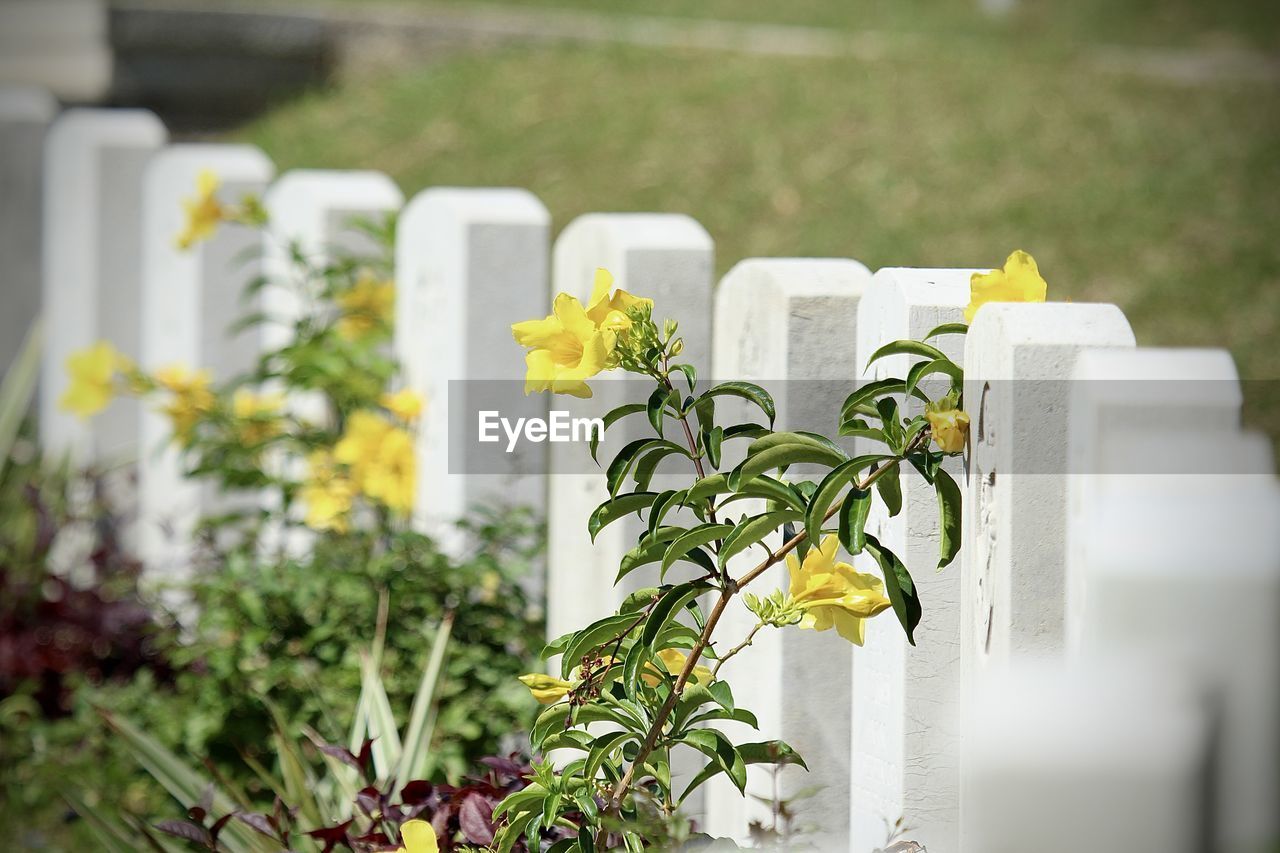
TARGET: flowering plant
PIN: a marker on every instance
(345, 453)
(650, 670)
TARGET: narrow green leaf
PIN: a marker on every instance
(751, 530)
(830, 488)
(947, 329)
(922, 369)
(611, 417)
(853, 520)
(949, 512)
(690, 375)
(616, 508)
(905, 348)
(667, 608)
(782, 456)
(899, 587)
(704, 534)
(417, 739)
(747, 391)
(598, 633)
(654, 408)
(889, 485)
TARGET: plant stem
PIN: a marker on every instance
(733, 651)
(730, 589)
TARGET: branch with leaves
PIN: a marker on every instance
(642, 672)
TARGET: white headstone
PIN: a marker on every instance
(469, 263)
(92, 260)
(789, 325)
(1124, 403)
(189, 300)
(1019, 359)
(1109, 758)
(905, 741)
(60, 45)
(1184, 569)
(317, 213)
(25, 114)
(669, 258)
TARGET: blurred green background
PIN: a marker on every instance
(1104, 137)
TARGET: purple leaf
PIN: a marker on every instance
(260, 822)
(475, 818)
(186, 829)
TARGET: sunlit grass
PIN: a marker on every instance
(1160, 198)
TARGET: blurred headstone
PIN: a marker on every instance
(190, 299)
(789, 325)
(469, 263)
(25, 114)
(61, 45)
(92, 264)
(905, 738)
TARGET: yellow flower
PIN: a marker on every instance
(949, 425)
(258, 415)
(417, 836)
(92, 372)
(610, 312)
(191, 401)
(545, 688)
(1019, 281)
(405, 404)
(833, 594)
(204, 211)
(673, 660)
(381, 458)
(327, 494)
(574, 343)
(370, 304)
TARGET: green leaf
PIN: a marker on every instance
(616, 508)
(663, 504)
(899, 586)
(889, 484)
(598, 633)
(600, 750)
(749, 531)
(759, 487)
(829, 489)
(747, 391)
(651, 549)
(711, 440)
(863, 399)
(781, 456)
(18, 388)
(627, 457)
(611, 417)
(695, 538)
(922, 369)
(905, 348)
(949, 512)
(667, 608)
(947, 329)
(770, 752)
(719, 749)
(690, 375)
(853, 520)
(417, 739)
(887, 407)
(657, 402)
(649, 462)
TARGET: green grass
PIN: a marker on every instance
(1182, 22)
(1158, 197)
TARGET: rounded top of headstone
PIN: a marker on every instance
(357, 189)
(495, 205)
(92, 127)
(1052, 323)
(624, 231)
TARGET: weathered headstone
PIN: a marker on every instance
(190, 298)
(92, 262)
(469, 263)
(60, 45)
(789, 325)
(668, 258)
(1175, 557)
(1111, 758)
(1019, 359)
(317, 213)
(905, 763)
(25, 114)
(1124, 404)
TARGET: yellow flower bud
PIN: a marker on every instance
(950, 429)
(545, 688)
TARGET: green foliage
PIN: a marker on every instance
(641, 670)
(291, 633)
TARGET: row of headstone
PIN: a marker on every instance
(1091, 579)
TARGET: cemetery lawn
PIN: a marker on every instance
(1154, 195)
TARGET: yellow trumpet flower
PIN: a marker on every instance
(546, 689)
(92, 372)
(417, 836)
(204, 211)
(833, 594)
(1018, 281)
